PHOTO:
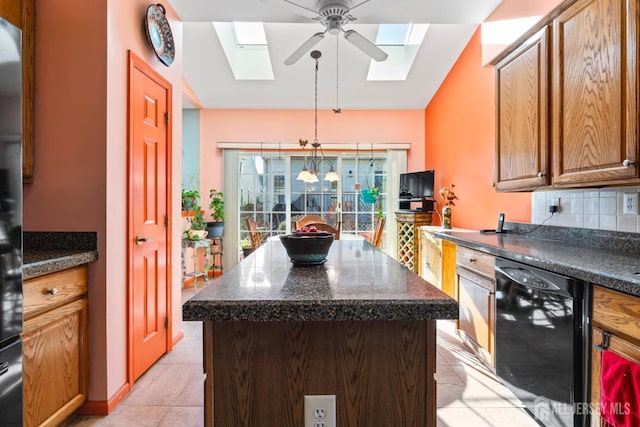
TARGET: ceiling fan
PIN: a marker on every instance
(334, 14)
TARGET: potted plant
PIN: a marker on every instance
(449, 196)
(198, 228)
(371, 195)
(246, 246)
(190, 200)
(216, 207)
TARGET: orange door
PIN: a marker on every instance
(149, 100)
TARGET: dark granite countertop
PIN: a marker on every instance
(609, 259)
(358, 282)
(50, 252)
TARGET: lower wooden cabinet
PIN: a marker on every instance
(409, 237)
(55, 362)
(438, 261)
(616, 328)
(477, 302)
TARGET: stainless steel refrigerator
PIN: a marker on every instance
(10, 225)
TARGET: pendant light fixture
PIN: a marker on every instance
(311, 167)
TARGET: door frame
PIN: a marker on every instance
(136, 63)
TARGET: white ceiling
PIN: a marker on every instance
(452, 23)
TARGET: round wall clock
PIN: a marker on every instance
(159, 33)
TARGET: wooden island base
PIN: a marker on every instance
(381, 372)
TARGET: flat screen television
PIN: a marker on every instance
(415, 186)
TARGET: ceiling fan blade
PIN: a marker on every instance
(306, 46)
(365, 45)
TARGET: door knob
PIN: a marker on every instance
(140, 240)
(626, 163)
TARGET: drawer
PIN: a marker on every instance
(616, 312)
(476, 261)
(53, 290)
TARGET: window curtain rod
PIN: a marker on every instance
(325, 146)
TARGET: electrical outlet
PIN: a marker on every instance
(320, 411)
(555, 205)
(630, 204)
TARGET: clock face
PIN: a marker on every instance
(159, 33)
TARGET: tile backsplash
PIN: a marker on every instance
(597, 208)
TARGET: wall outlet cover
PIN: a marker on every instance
(630, 204)
(320, 410)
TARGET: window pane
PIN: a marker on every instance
(263, 191)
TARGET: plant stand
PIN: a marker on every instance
(215, 251)
(195, 245)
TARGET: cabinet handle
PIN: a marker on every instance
(52, 291)
(472, 259)
(626, 163)
(541, 174)
(140, 240)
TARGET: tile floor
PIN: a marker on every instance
(170, 393)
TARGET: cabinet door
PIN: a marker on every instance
(595, 91)
(430, 261)
(55, 364)
(477, 313)
(522, 110)
(627, 349)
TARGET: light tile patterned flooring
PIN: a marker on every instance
(170, 393)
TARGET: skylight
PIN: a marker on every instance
(249, 33)
(393, 34)
(401, 42)
(245, 46)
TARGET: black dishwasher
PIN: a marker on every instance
(542, 341)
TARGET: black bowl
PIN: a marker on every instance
(307, 248)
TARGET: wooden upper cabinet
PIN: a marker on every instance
(21, 13)
(595, 94)
(522, 158)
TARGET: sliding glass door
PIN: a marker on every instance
(269, 192)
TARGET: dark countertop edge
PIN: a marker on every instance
(54, 263)
(603, 278)
(313, 310)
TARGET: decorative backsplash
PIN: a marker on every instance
(594, 208)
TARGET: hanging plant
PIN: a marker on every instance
(371, 195)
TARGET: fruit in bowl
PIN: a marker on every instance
(307, 247)
(307, 229)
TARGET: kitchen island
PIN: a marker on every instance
(360, 327)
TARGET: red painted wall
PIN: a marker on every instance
(460, 144)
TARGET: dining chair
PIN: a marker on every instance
(254, 234)
(323, 226)
(308, 219)
(376, 240)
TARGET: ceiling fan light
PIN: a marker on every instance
(333, 26)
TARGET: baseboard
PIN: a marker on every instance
(177, 339)
(102, 407)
